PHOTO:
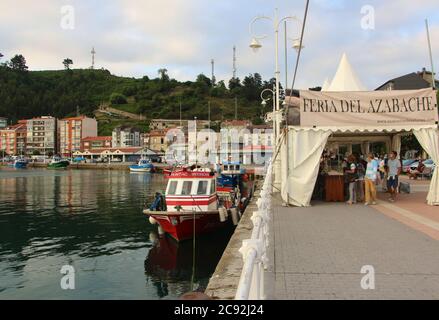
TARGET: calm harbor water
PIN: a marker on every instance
(93, 221)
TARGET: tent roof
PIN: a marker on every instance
(345, 78)
(326, 85)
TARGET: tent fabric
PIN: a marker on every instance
(396, 144)
(305, 147)
(326, 85)
(297, 186)
(429, 140)
(345, 78)
(364, 129)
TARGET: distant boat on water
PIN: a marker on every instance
(58, 163)
(20, 163)
(142, 166)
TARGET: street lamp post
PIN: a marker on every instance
(256, 45)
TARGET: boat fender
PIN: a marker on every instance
(235, 217)
(160, 230)
(222, 214)
(152, 220)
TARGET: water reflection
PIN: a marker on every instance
(93, 220)
(169, 264)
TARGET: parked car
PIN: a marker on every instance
(406, 164)
(429, 163)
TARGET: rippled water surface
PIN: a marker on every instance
(92, 220)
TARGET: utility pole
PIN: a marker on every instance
(236, 108)
(180, 115)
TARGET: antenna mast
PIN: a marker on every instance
(234, 62)
(213, 71)
(93, 52)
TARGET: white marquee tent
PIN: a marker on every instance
(356, 114)
(345, 78)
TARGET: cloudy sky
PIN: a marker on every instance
(137, 37)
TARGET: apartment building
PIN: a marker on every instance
(41, 135)
(3, 123)
(126, 137)
(93, 143)
(13, 139)
(72, 131)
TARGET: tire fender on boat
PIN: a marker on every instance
(222, 214)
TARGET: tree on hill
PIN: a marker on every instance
(67, 63)
(163, 73)
(18, 63)
(118, 98)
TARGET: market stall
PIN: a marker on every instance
(358, 116)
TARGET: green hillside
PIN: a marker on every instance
(25, 94)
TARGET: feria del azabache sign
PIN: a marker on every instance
(368, 108)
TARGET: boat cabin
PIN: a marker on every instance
(231, 168)
(191, 191)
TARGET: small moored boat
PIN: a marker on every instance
(192, 205)
(142, 166)
(20, 163)
(58, 163)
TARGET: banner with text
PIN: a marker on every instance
(368, 108)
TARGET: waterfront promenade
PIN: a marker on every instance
(318, 252)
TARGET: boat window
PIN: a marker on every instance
(202, 188)
(172, 188)
(212, 187)
(226, 168)
(237, 167)
(187, 187)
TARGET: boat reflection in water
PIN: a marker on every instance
(169, 264)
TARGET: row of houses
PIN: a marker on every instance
(77, 136)
(48, 135)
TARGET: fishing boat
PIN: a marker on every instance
(20, 163)
(142, 166)
(58, 163)
(192, 205)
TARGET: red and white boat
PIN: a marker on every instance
(193, 205)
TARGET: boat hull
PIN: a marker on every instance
(58, 165)
(180, 226)
(20, 165)
(140, 169)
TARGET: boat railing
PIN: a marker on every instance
(254, 250)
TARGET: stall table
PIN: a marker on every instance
(334, 187)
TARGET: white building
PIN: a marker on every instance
(126, 137)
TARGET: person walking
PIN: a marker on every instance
(394, 170)
(370, 180)
(351, 177)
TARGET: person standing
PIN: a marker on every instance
(370, 180)
(394, 170)
(351, 177)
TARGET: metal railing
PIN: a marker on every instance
(254, 250)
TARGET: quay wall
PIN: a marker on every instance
(224, 281)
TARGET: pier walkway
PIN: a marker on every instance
(318, 252)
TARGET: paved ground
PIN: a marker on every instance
(319, 251)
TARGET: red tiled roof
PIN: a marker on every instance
(112, 150)
(100, 138)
